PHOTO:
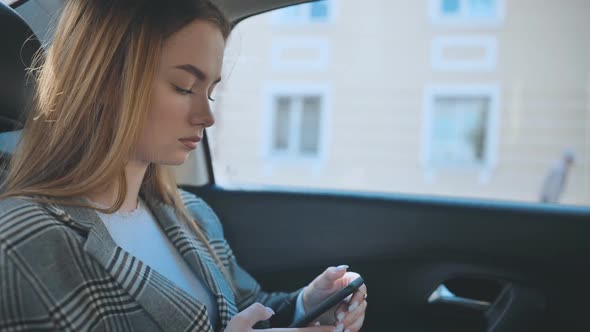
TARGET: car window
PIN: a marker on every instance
(462, 98)
(8, 141)
(41, 16)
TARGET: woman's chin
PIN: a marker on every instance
(174, 161)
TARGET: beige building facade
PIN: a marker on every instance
(461, 98)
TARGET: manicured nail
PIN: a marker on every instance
(339, 328)
(353, 306)
(340, 316)
(318, 324)
(341, 268)
(270, 311)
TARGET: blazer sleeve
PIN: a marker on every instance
(21, 309)
(247, 289)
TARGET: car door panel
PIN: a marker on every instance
(526, 262)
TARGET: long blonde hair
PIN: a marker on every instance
(92, 92)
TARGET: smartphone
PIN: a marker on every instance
(328, 303)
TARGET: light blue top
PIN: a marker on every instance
(138, 233)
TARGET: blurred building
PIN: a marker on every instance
(468, 98)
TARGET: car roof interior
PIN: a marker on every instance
(234, 9)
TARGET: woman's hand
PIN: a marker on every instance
(350, 314)
(247, 318)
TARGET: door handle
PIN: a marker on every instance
(515, 308)
(442, 295)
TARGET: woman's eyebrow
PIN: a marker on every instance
(196, 72)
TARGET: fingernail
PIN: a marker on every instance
(339, 328)
(353, 306)
(340, 316)
(341, 268)
(318, 324)
(270, 311)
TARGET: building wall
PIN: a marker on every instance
(375, 62)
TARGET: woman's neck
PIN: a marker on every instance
(134, 173)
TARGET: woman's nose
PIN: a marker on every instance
(202, 115)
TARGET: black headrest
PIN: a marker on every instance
(18, 47)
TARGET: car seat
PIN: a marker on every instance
(19, 46)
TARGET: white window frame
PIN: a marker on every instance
(433, 92)
(463, 18)
(278, 17)
(282, 45)
(486, 63)
(274, 90)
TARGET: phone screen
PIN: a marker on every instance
(328, 303)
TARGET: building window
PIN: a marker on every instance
(459, 130)
(467, 11)
(318, 11)
(296, 126)
(481, 8)
(450, 7)
(461, 127)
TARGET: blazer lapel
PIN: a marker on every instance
(196, 254)
(170, 307)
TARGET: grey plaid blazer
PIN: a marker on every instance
(61, 270)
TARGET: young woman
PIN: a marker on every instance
(94, 233)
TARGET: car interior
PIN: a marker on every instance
(430, 263)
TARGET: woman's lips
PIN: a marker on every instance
(190, 142)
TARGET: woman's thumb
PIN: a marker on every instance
(255, 313)
(331, 274)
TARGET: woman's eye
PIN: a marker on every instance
(183, 91)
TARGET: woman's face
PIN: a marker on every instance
(188, 71)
